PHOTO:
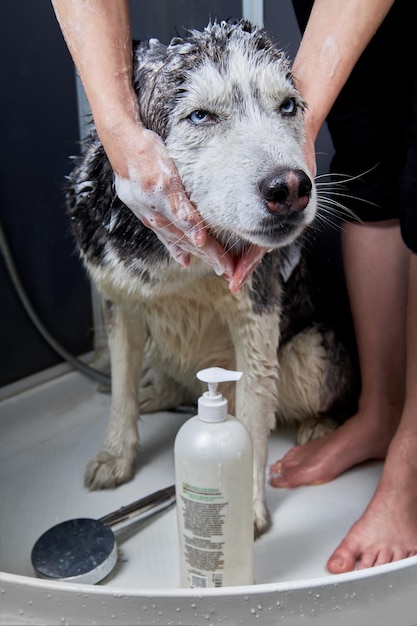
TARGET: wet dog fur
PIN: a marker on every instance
(224, 102)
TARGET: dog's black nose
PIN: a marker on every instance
(286, 191)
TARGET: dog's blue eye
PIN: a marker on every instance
(201, 117)
(288, 107)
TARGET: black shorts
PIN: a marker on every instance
(373, 125)
(408, 198)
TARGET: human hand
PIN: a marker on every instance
(148, 182)
(146, 179)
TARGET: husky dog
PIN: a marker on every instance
(224, 102)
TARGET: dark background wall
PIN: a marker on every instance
(40, 131)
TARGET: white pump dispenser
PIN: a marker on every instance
(214, 489)
(212, 406)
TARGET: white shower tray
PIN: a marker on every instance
(49, 433)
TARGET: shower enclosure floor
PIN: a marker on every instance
(48, 435)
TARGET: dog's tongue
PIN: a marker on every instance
(245, 264)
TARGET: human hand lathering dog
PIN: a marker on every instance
(153, 190)
(146, 179)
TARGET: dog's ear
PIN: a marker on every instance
(181, 46)
(149, 58)
(159, 73)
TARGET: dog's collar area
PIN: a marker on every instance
(291, 257)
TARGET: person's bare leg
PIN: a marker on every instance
(387, 531)
(375, 260)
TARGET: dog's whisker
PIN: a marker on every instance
(331, 193)
(331, 201)
(337, 178)
(230, 244)
(324, 220)
(337, 209)
(357, 199)
(176, 223)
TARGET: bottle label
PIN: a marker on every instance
(204, 510)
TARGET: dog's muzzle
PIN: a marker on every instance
(286, 191)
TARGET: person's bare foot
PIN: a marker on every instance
(387, 531)
(358, 439)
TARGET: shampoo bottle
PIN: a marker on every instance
(214, 490)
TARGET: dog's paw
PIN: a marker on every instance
(262, 521)
(164, 396)
(150, 400)
(107, 471)
(315, 428)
